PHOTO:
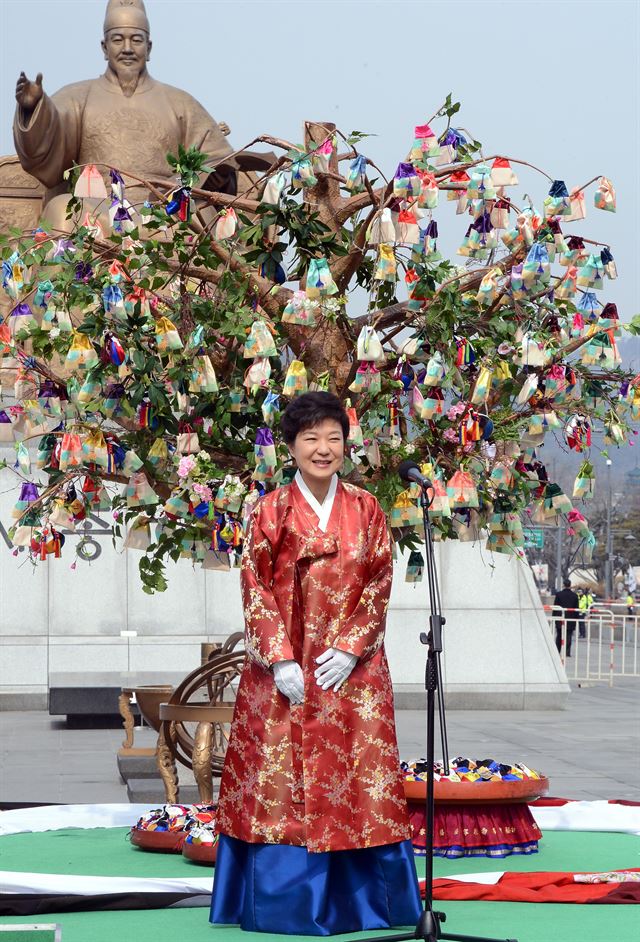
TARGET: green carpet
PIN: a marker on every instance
(108, 853)
(525, 922)
(99, 852)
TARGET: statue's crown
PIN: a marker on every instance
(126, 14)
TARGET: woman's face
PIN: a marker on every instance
(319, 451)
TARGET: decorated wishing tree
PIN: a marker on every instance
(152, 358)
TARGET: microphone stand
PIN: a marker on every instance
(428, 927)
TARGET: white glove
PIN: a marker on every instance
(289, 680)
(335, 668)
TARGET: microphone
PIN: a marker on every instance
(410, 472)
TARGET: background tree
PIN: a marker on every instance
(158, 355)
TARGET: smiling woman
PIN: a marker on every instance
(315, 429)
(312, 764)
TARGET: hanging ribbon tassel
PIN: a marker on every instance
(394, 423)
(111, 464)
(43, 545)
(466, 355)
(180, 204)
(184, 212)
(144, 414)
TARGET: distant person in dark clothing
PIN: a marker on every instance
(568, 600)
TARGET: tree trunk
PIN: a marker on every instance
(326, 347)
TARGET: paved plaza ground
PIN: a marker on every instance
(589, 751)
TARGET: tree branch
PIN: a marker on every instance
(346, 266)
(224, 199)
(356, 203)
(448, 169)
(585, 185)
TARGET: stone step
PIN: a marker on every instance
(151, 791)
(137, 766)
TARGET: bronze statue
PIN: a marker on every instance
(124, 119)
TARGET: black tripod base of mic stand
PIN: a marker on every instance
(429, 928)
(442, 935)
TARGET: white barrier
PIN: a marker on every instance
(602, 646)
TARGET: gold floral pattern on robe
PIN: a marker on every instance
(323, 774)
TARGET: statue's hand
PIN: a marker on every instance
(29, 93)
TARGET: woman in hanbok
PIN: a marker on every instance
(313, 823)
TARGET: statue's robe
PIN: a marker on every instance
(94, 122)
(324, 774)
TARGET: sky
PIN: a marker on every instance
(554, 83)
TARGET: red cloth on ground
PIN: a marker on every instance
(536, 888)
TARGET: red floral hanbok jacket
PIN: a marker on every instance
(323, 774)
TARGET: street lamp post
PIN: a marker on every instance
(608, 564)
(559, 552)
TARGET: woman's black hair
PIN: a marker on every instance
(311, 409)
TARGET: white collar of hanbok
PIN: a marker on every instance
(322, 510)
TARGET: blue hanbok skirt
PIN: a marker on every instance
(283, 889)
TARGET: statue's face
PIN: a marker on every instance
(126, 50)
